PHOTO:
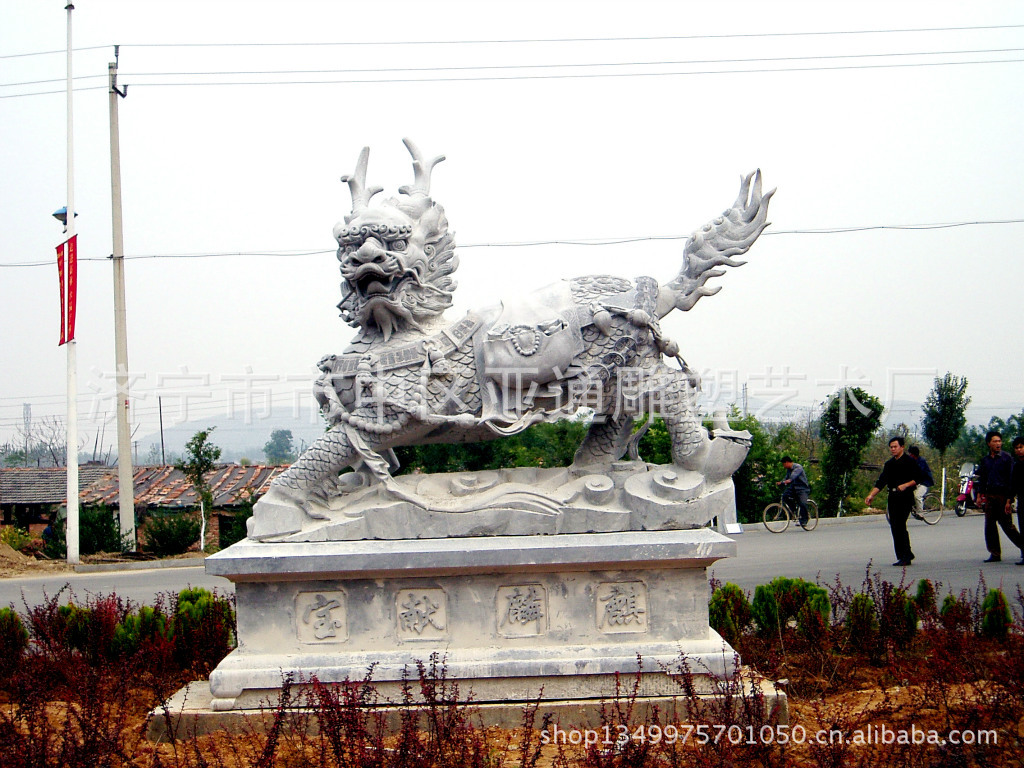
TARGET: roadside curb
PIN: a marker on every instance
(759, 526)
(756, 527)
(141, 565)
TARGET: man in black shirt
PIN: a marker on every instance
(1017, 485)
(995, 495)
(900, 475)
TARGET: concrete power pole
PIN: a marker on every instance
(125, 477)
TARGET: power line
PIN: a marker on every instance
(521, 78)
(569, 65)
(62, 52)
(585, 242)
(562, 40)
(519, 41)
(571, 75)
(539, 76)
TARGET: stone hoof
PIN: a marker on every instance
(275, 515)
(719, 457)
(725, 454)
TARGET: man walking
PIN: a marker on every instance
(900, 475)
(925, 482)
(798, 489)
(1017, 485)
(995, 495)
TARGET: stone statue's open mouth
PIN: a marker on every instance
(371, 281)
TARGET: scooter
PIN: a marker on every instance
(967, 497)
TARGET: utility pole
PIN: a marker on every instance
(160, 406)
(26, 413)
(125, 476)
(72, 352)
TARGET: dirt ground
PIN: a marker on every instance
(13, 563)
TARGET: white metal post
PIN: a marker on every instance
(71, 530)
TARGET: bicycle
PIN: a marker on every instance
(932, 510)
(777, 515)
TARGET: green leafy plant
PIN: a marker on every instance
(925, 598)
(996, 617)
(729, 612)
(137, 628)
(13, 641)
(167, 535)
(783, 599)
(861, 620)
(202, 628)
(955, 614)
(99, 531)
(897, 615)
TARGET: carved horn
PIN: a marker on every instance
(361, 194)
(421, 169)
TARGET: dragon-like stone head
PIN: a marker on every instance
(397, 256)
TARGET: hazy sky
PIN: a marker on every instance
(562, 123)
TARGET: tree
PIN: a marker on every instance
(851, 417)
(945, 414)
(279, 449)
(755, 479)
(200, 458)
(1008, 428)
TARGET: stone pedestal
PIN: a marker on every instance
(508, 615)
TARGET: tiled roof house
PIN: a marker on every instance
(37, 491)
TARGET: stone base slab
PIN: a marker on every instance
(506, 616)
(189, 712)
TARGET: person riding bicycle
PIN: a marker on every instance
(927, 481)
(798, 489)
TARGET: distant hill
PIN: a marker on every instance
(235, 438)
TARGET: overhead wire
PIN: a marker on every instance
(584, 242)
(519, 67)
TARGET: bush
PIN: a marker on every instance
(729, 612)
(925, 597)
(202, 629)
(783, 599)
(147, 625)
(995, 615)
(171, 534)
(861, 620)
(56, 546)
(898, 619)
(90, 629)
(812, 618)
(100, 531)
(955, 614)
(233, 527)
(13, 641)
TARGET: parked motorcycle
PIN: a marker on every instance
(967, 497)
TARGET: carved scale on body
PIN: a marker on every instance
(410, 376)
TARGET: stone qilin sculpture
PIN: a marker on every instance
(411, 376)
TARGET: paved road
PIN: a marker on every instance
(950, 552)
(139, 586)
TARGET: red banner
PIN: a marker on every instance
(68, 288)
